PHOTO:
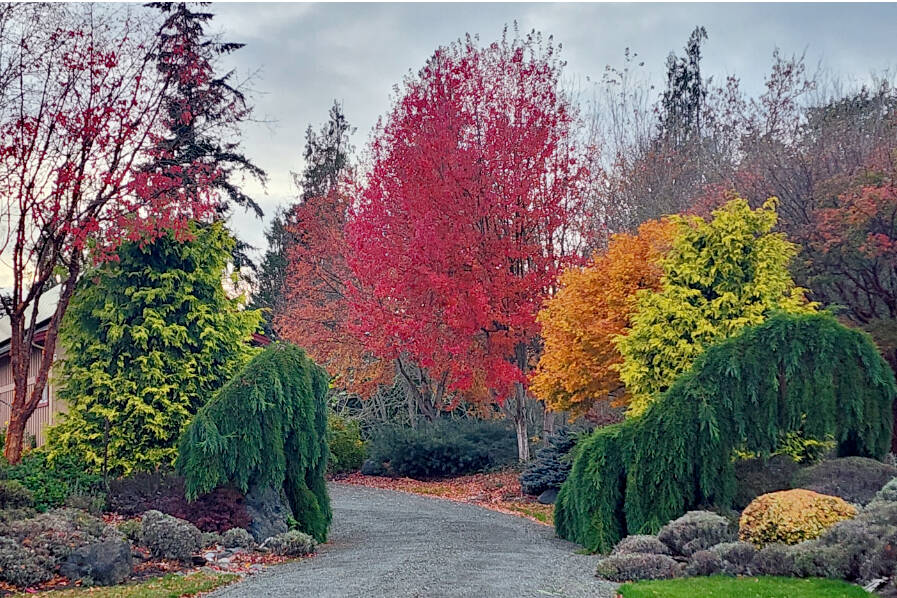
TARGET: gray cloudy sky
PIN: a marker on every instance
(307, 55)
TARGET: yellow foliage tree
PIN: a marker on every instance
(719, 276)
(579, 363)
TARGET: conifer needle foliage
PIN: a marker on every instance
(721, 275)
(793, 372)
(266, 427)
(148, 338)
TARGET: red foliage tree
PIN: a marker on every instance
(83, 114)
(473, 203)
(316, 311)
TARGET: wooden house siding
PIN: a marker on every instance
(46, 414)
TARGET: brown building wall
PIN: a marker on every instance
(47, 412)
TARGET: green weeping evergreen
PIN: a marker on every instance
(267, 426)
(793, 372)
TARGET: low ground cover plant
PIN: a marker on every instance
(441, 449)
(744, 587)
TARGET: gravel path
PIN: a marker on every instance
(397, 545)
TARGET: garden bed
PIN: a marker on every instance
(172, 585)
(498, 491)
(742, 587)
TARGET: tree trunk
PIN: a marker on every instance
(15, 439)
(21, 345)
(549, 422)
(520, 424)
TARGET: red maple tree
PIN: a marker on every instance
(84, 117)
(473, 203)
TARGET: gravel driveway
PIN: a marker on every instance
(387, 544)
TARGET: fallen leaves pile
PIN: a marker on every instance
(499, 491)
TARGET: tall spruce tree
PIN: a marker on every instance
(148, 339)
(327, 156)
(683, 103)
(204, 111)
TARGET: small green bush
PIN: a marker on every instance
(291, 543)
(855, 479)
(444, 448)
(168, 537)
(211, 539)
(52, 481)
(130, 529)
(13, 495)
(632, 567)
(814, 559)
(237, 537)
(641, 544)
(888, 493)
(775, 559)
(738, 557)
(21, 567)
(805, 450)
(696, 530)
(346, 446)
(703, 563)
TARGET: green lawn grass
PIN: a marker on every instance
(168, 586)
(742, 587)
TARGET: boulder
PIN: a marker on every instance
(268, 512)
(107, 563)
(549, 496)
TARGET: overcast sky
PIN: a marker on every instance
(307, 55)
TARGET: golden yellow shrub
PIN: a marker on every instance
(791, 516)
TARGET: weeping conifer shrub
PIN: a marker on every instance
(804, 373)
(266, 427)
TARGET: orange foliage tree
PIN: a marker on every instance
(578, 365)
(316, 311)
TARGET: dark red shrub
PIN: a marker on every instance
(218, 511)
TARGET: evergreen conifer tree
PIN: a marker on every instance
(327, 158)
(147, 340)
(267, 427)
(204, 111)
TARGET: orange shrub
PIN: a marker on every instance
(791, 516)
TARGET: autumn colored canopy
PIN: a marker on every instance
(470, 210)
(579, 361)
